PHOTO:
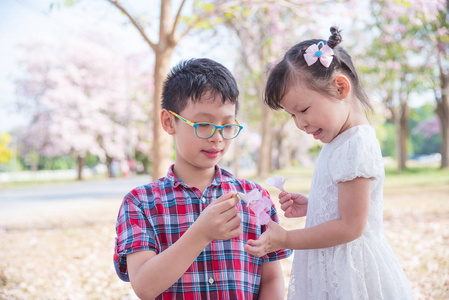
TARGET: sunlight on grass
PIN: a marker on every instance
(75, 240)
(416, 220)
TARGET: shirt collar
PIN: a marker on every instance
(220, 176)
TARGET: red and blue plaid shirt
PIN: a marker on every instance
(153, 217)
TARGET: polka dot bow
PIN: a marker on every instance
(319, 51)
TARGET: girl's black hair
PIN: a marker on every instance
(195, 79)
(317, 77)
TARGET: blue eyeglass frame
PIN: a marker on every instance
(195, 125)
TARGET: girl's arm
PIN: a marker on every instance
(353, 207)
(272, 286)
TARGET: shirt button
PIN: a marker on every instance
(203, 200)
(211, 280)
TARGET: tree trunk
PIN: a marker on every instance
(403, 135)
(109, 166)
(264, 166)
(443, 114)
(237, 155)
(81, 162)
(162, 142)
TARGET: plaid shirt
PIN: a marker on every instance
(153, 217)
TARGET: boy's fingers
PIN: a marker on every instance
(232, 197)
(223, 198)
(227, 204)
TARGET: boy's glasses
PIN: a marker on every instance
(205, 130)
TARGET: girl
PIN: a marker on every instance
(343, 252)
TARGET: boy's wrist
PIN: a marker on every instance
(199, 235)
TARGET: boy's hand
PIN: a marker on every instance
(271, 240)
(294, 205)
(220, 220)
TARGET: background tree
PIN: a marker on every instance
(258, 28)
(437, 31)
(398, 64)
(79, 97)
(172, 28)
(265, 30)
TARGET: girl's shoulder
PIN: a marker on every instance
(360, 133)
(356, 153)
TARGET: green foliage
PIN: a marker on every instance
(422, 145)
(388, 142)
(56, 163)
(315, 149)
(416, 176)
(92, 160)
(5, 151)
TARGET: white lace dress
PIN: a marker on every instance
(365, 268)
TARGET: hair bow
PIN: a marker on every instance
(325, 54)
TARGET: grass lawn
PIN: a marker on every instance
(67, 254)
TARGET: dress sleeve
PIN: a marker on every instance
(135, 232)
(357, 157)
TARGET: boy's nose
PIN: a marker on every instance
(217, 135)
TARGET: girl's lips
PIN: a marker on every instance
(211, 153)
(317, 134)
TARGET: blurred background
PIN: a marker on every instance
(80, 86)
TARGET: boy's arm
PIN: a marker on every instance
(272, 285)
(150, 274)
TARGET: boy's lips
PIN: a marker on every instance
(211, 153)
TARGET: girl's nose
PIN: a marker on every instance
(301, 124)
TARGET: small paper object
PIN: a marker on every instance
(277, 181)
(259, 204)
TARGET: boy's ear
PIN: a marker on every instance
(343, 86)
(168, 122)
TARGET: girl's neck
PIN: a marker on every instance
(356, 115)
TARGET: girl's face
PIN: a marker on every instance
(322, 116)
(192, 152)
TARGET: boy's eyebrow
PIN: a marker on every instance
(207, 115)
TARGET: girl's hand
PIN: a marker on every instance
(271, 240)
(294, 205)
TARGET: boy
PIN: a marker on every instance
(183, 236)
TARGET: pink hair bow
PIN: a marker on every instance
(325, 54)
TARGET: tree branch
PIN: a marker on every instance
(134, 22)
(293, 5)
(176, 22)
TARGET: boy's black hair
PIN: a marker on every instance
(194, 79)
(317, 77)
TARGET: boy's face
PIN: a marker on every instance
(197, 153)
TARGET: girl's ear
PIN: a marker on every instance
(168, 122)
(343, 86)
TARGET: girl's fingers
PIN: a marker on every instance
(285, 206)
(284, 198)
(255, 251)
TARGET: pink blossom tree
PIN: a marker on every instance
(266, 29)
(80, 97)
(402, 57)
(172, 28)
